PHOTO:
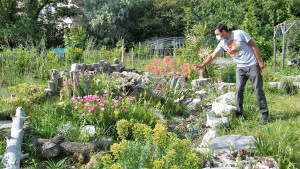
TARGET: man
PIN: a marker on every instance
(244, 51)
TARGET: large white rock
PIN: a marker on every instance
(227, 142)
(210, 135)
(223, 109)
(213, 121)
(223, 121)
(194, 104)
(201, 92)
(280, 84)
(227, 98)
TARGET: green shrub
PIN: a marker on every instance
(74, 55)
(228, 74)
(169, 151)
(25, 95)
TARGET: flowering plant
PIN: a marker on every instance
(168, 65)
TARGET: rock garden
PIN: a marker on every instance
(103, 115)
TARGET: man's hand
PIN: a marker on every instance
(261, 65)
(197, 67)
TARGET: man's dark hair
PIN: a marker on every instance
(221, 27)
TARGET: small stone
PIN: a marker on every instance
(116, 61)
(200, 82)
(201, 92)
(77, 157)
(89, 129)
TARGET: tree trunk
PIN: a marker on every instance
(12, 156)
(49, 148)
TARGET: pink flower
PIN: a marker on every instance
(107, 76)
(96, 91)
(112, 93)
(116, 105)
(85, 108)
(91, 113)
(120, 97)
(130, 99)
(104, 95)
(83, 114)
(87, 103)
(102, 108)
(105, 91)
(73, 98)
(112, 106)
(117, 109)
(74, 102)
(78, 103)
(125, 110)
(75, 107)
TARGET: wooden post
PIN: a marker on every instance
(122, 51)
(132, 57)
(283, 44)
(174, 48)
(139, 55)
(146, 53)
(274, 39)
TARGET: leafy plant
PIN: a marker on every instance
(25, 95)
(162, 150)
(228, 74)
(58, 165)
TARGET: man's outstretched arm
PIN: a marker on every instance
(207, 61)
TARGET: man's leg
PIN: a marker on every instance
(257, 82)
(241, 79)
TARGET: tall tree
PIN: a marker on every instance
(108, 18)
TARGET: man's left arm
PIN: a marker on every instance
(257, 53)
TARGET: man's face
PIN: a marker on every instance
(219, 35)
(217, 32)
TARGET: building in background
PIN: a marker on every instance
(65, 22)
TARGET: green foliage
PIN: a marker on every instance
(25, 95)
(169, 152)
(75, 37)
(228, 74)
(74, 55)
(58, 165)
(123, 128)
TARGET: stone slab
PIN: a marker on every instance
(238, 142)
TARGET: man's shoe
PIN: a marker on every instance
(264, 118)
(239, 114)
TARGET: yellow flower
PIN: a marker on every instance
(116, 112)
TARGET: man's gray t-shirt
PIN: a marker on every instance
(237, 47)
